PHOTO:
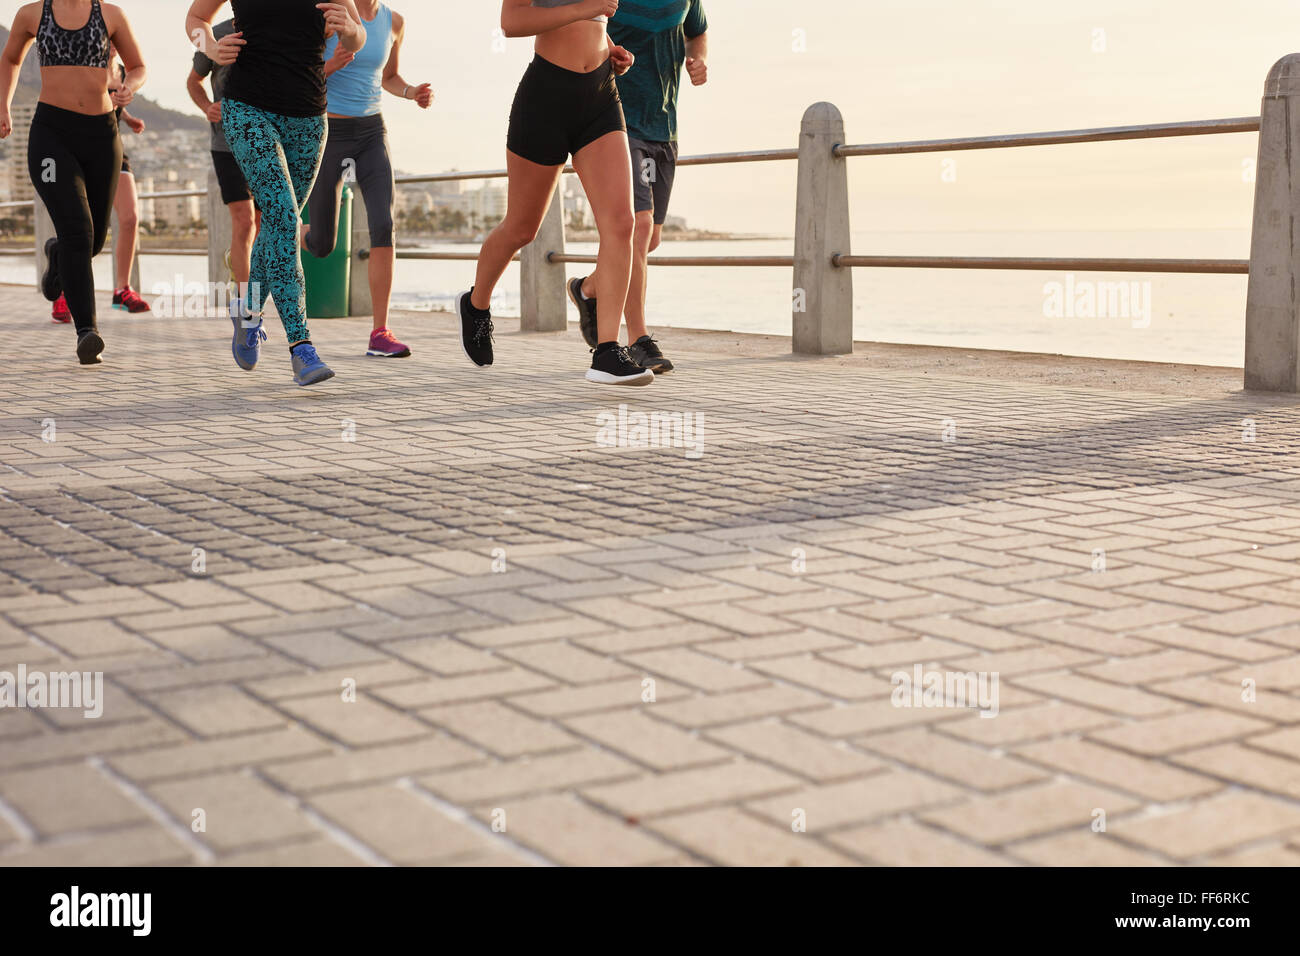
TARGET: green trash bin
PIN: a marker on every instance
(329, 280)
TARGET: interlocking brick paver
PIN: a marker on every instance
(500, 729)
(953, 760)
(1084, 848)
(688, 789)
(1029, 812)
(237, 810)
(796, 750)
(1151, 779)
(765, 592)
(1238, 764)
(1214, 825)
(68, 797)
(907, 843)
(400, 825)
(833, 805)
(732, 838)
(568, 831)
(1166, 735)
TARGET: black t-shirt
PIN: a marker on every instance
(282, 68)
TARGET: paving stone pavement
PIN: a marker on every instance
(420, 615)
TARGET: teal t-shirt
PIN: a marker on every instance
(655, 31)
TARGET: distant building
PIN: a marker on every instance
(173, 211)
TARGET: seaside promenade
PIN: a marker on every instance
(424, 614)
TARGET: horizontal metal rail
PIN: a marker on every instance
(1044, 264)
(703, 159)
(1205, 266)
(1243, 124)
(437, 256)
(786, 262)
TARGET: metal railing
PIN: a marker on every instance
(822, 262)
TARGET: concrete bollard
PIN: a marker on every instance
(543, 298)
(823, 293)
(359, 301)
(44, 227)
(219, 235)
(1272, 299)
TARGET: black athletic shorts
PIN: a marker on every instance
(557, 112)
(234, 187)
(654, 165)
(126, 165)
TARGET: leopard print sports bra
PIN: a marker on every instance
(85, 47)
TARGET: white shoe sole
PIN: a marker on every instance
(604, 378)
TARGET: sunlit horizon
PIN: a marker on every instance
(897, 71)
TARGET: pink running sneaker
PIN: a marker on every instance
(60, 313)
(126, 298)
(383, 345)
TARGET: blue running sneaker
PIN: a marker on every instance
(308, 369)
(246, 345)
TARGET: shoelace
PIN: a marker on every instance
(650, 347)
(305, 352)
(482, 330)
(253, 335)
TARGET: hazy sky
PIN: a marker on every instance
(897, 69)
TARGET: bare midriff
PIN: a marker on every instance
(579, 47)
(81, 89)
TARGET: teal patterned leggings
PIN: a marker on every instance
(280, 156)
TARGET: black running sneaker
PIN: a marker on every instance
(611, 365)
(51, 282)
(89, 347)
(645, 352)
(586, 312)
(475, 332)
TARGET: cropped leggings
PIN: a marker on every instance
(357, 151)
(279, 156)
(74, 161)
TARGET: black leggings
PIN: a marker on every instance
(355, 150)
(75, 161)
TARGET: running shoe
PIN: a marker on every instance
(308, 369)
(246, 345)
(89, 347)
(645, 352)
(586, 312)
(128, 300)
(383, 345)
(51, 282)
(611, 365)
(475, 332)
(61, 313)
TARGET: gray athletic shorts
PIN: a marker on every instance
(653, 167)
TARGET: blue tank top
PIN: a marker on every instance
(358, 88)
